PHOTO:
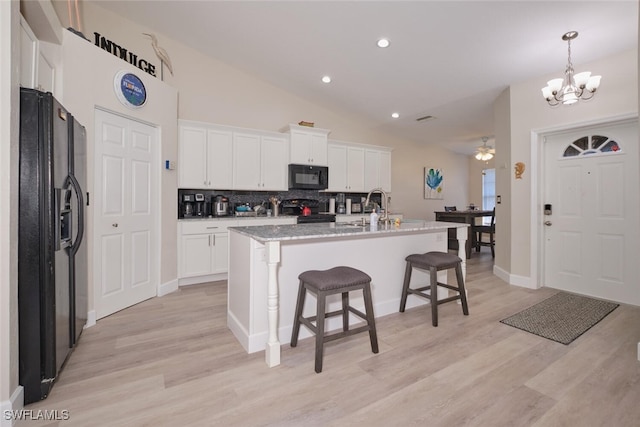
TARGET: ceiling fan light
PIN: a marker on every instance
(487, 156)
(479, 156)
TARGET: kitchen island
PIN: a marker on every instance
(265, 261)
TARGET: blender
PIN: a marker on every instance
(340, 204)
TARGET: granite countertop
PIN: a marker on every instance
(270, 233)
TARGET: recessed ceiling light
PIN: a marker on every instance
(326, 79)
(383, 43)
(395, 115)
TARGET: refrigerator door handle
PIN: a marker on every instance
(75, 245)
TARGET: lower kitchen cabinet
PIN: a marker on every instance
(203, 246)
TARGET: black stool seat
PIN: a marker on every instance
(334, 278)
(337, 280)
(434, 262)
(440, 260)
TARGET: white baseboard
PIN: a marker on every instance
(91, 319)
(167, 288)
(513, 279)
(15, 403)
(185, 281)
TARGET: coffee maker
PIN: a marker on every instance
(221, 206)
(199, 209)
(188, 202)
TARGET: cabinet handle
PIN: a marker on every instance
(209, 239)
(209, 228)
(214, 240)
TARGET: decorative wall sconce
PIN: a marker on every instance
(519, 170)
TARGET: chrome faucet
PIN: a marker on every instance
(385, 204)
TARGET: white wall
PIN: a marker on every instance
(88, 75)
(618, 95)
(9, 131)
(212, 91)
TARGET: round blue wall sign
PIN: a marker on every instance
(129, 89)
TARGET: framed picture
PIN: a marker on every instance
(433, 183)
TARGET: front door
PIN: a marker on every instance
(126, 222)
(591, 227)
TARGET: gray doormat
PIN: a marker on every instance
(562, 317)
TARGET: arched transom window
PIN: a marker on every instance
(594, 144)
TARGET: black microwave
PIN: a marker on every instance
(306, 177)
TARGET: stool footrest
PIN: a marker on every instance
(343, 334)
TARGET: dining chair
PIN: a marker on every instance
(490, 230)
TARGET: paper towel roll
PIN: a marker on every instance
(348, 206)
(332, 206)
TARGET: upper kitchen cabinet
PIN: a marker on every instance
(308, 145)
(260, 162)
(205, 156)
(37, 69)
(346, 168)
(377, 169)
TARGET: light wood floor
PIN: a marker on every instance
(171, 361)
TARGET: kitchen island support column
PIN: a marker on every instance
(272, 353)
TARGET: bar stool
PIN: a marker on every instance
(329, 282)
(434, 262)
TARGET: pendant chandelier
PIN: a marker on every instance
(484, 152)
(573, 87)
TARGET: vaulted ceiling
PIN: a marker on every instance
(447, 59)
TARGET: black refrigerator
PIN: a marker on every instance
(52, 256)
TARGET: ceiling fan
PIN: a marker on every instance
(485, 152)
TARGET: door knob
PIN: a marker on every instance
(547, 223)
(115, 224)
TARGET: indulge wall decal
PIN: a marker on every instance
(124, 54)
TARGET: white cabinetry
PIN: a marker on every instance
(346, 168)
(205, 155)
(203, 247)
(308, 145)
(37, 71)
(203, 252)
(377, 169)
(259, 162)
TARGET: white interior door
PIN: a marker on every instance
(125, 220)
(591, 236)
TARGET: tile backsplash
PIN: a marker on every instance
(258, 197)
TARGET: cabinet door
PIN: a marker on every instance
(46, 74)
(246, 162)
(300, 147)
(192, 160)
(219, 158)
(385, 171)
(220, 252)
(275, 157)
(28, 55)
(355, 169)
(318, 149)
(337, 157)
(377, 170)
(371, 169)
(196, 255)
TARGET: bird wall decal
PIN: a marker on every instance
(162, 55)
